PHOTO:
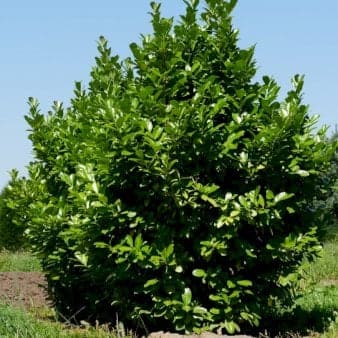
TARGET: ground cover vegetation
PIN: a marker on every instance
(175, 190)
(16, 323)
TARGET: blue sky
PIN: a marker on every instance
(46, 46)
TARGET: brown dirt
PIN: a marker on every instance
(329, 282)
(23, 289)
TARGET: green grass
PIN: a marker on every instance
(317, 310)
(18, 261)
(318, 307)
(325, 269)
(18, 323)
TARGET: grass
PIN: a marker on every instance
(315, 313)
(318, 307)
(18, 323)
(18, 261)
(325, 269)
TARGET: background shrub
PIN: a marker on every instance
(332, 176)
(327, 204)
(175, 191)
(11, 225)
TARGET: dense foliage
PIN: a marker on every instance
(176, 192)
(332, 176)
(12, 226)
(326, 203)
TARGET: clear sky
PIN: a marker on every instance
(47, 45)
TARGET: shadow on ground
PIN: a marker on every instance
(300, 322)
(314, 313)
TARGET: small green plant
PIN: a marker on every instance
(175, 191)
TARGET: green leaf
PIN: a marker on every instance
(179, 269)
(102, 245)
(230, 327)
(243, 201)
(269, 195)
(150, 282)
(250, 253)
(245, 283)
(186, 297)
(245, 316)
(82, 258)
(126, 153)
(215, 311)
(282, 197)
(131, 214)
(95, 187)
(198, 273)
(243, 157)
(302, 173)
(231, 284)
(230, 143)
(290, 210)
(209, 200)
(199, 310)
(269, 247)
(168, 251)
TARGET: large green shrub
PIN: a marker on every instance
(175, 192)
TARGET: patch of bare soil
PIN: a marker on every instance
(329, 282)
(24, 289)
